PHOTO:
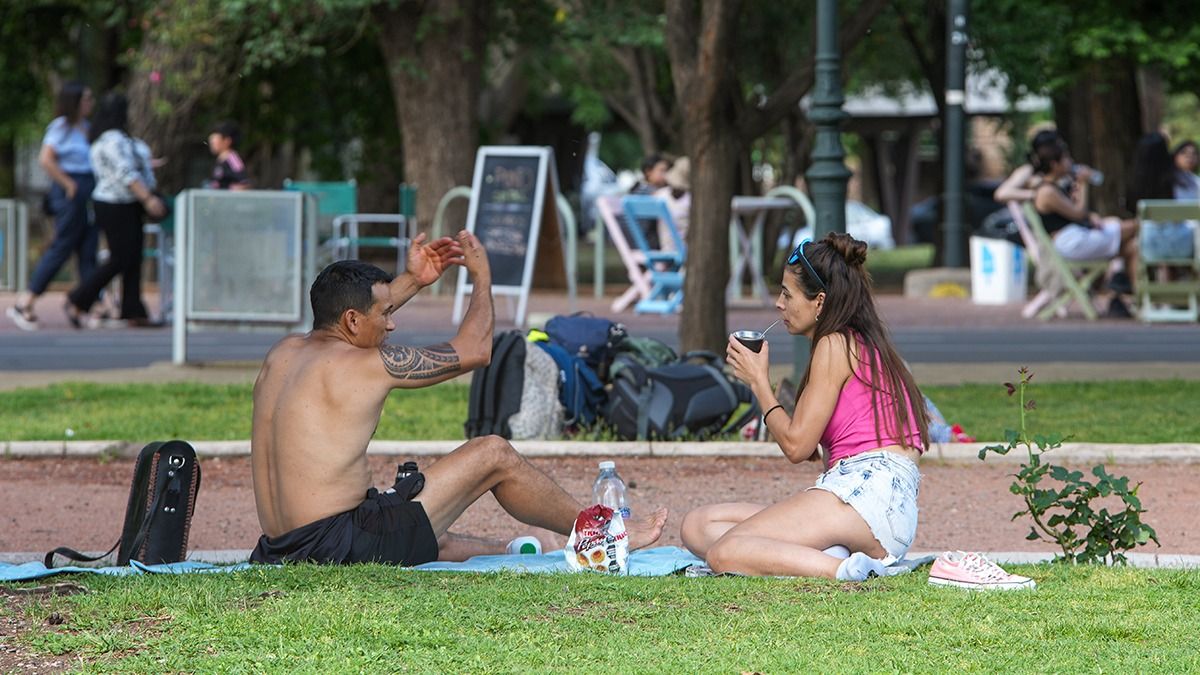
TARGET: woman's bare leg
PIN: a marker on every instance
(1129, 247)
(703, 526)
(788, 538)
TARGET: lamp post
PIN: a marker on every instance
(956, 75)
(828, 174)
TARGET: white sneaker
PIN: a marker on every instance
(21, 319)
(975, 571)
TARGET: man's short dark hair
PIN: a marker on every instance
(344, 285)
(229, 130)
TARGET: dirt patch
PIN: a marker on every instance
(15, 657)
(80, 502)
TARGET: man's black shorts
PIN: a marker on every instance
(385, 528)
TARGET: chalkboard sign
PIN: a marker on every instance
(513, 208)
(244, 259)
(504, 214)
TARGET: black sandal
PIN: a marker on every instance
(74, 316)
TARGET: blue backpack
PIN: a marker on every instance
(591, 338)
(579, 388)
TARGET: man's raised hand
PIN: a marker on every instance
(474, 258)
(427, 262)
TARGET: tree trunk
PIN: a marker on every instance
(434, 55)
(713, 146)
(1116, 127)
(1072, 117)
(700, 45)
(8, 163)
(1152, 98)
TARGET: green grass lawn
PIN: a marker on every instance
(378, 619)
(888, 268)
(1102, 412)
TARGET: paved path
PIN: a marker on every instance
(927, 331)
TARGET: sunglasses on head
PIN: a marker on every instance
(798, 256)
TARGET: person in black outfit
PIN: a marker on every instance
(122, 198)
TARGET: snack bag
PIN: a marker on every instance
(598, 542)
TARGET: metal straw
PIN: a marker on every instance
(771, 326)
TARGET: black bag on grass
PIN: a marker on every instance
(676, 400)
(162, 498)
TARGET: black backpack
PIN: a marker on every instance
(158, 518)
(671, 401)
(496, 390)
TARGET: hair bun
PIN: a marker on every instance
(853, 251)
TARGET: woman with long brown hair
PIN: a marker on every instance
(64, 156)
(856, 400)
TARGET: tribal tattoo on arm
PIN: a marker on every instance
(420, 363)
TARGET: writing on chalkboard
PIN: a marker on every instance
(504, 213)
(511, 184)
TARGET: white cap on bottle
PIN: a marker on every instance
(608, 464)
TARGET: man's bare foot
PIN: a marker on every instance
(646, 531)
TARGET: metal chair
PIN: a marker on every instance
(1161, 300)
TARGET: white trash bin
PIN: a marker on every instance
(998, 272)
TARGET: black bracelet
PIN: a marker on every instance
(771, 410)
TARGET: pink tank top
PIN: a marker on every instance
(851, 428)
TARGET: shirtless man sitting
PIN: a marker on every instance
(317, 402)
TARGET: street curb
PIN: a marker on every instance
(947, 453)
(1141, 560)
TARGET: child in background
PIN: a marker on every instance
(229, 172)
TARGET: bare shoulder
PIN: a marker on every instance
(834, 345)
(283, 352)
(832, 357)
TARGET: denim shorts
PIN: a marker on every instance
(882, 487)
(1167, 241)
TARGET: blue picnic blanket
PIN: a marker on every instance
(37, 570)
(649, 562)
(653, 562)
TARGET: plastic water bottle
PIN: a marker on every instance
(609, 489)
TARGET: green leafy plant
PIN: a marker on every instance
(1067, 515)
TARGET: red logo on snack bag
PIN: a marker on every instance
(592, 527)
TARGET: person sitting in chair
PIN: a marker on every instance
(1078, 233)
